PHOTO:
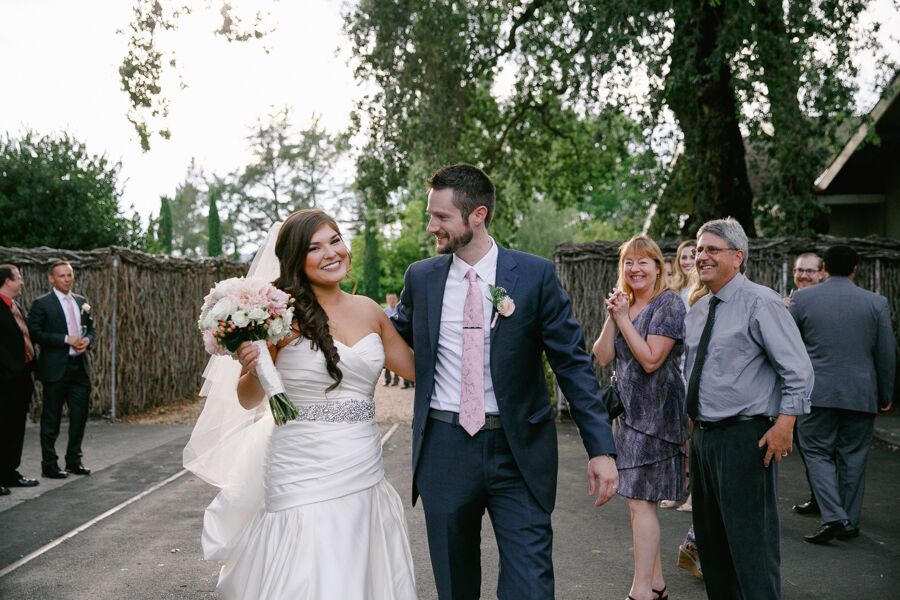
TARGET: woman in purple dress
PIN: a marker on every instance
(643, 333)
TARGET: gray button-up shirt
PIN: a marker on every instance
(756, 363)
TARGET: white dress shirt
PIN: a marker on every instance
(64, 302)
(448, 368)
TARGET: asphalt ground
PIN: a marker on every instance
(151, 548)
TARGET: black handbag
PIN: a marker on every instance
(611, 399)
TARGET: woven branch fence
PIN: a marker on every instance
(147, 351)
(589, 271)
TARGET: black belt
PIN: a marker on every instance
(445, 416)
(727, 422)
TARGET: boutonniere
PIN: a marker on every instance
(502, 303)
(85, 309)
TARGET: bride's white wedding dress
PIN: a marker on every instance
(331, 527)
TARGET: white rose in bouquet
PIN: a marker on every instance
(242, 310)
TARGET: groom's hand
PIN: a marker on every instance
(603, 478)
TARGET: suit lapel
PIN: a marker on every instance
(506, 278)
(435, 282)
(60, 312)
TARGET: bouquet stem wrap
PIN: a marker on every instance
(283, 410)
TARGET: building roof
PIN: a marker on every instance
(872, 119)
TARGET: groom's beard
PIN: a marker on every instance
(455, 242)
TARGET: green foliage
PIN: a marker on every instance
(189, 207)
(145, 64)
(780, 71)
(213, 229)
(165, 225)
(55, 193)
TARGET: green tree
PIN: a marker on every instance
(146, 61)
(291, 169)
(189, 214)
(73, 195)
(781, 71)
(213, 229)
(165, 225)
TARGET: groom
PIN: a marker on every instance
(484, 436)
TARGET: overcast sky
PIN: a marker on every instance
(59, 64)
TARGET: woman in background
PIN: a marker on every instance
(683, 267)
(643, 333)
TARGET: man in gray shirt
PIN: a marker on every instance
(748, 378)
(847, 332)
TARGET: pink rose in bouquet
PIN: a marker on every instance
(239, 310)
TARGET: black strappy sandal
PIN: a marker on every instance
(659, 593)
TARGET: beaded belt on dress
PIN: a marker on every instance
(338, 411)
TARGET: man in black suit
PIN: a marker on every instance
(60, 323)
(16, 362)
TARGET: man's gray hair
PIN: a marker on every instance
(731, 231)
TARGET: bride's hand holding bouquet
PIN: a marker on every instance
(240, 310)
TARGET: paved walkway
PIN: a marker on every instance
(151, 549)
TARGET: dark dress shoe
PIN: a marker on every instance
(4, 491)
(849, 533)
(21, 482)
(810, 507)
(78, 469)
(54, 474)
(827, 532)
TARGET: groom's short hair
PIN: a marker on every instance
(471, 188)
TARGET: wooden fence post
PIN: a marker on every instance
(113, 367)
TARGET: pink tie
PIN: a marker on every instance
(471, 399)
(73, 320)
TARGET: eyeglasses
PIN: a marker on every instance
(712, 250)
(806, 271)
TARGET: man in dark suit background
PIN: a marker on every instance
(16, 362)
(484, 436)
(847, 333)
(60, 324)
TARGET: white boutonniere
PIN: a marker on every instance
(502, 303)
(85, 309)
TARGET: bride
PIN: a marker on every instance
(304, 509)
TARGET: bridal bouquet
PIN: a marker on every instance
(239, 310)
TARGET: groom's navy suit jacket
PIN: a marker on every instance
(542, 322)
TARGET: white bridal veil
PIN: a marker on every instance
(228, 445)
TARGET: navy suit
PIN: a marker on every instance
(523, 454)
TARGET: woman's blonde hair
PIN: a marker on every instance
(698, 288)
(680, 279)
(642, 245)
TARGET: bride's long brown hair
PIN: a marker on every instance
(291, 248)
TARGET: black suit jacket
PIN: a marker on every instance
(47, 326)
(12, 346)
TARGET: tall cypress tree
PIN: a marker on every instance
(165, 226)
(213, 228)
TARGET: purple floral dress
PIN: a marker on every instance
(651, 433)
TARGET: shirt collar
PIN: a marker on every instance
(7, 301)
(62, 296)
(730, 289)
(486, 268)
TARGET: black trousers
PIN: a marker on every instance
(13, 412)
(73, 390)
(736, 512)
